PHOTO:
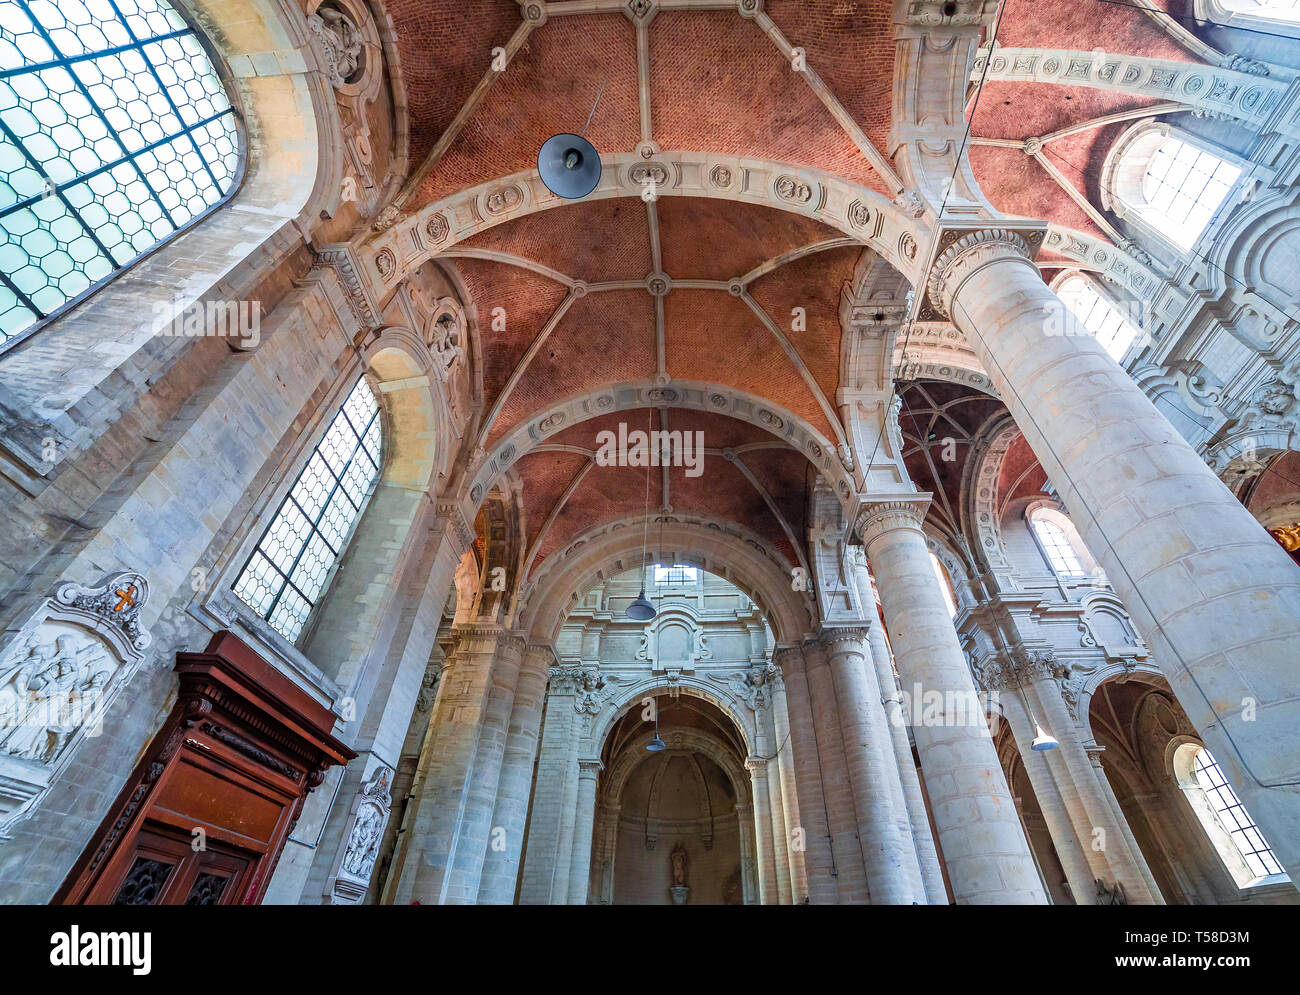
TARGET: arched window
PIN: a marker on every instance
(1166, 180)
(1240, 844)
(1183, 186)
(945, 586)
(1056, 546)
(1267, 10)
(115, 134)
(1097, 314)
(284, 577)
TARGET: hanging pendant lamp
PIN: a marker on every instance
(656, 745)
(641, 610)
(568, 164)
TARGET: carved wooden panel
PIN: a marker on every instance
(207, 810)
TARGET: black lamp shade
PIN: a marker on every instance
(641, 610)
(569, 166)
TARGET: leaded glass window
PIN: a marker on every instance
(1232, 814)
(288, 570)
(115, 134)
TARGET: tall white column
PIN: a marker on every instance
(436, 869)
(814, 829)
(915, 812)
(984, 845)
(545, 876)
(794, 847)
(769, 744)
(892, 872)
(1125, 864)
(1217, 600)
(841, 813)
(1070, 849)
(584, 832)
(506, 841)
(765, 858)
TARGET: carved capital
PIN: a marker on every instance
(842, 638)
(968, 254)
(876, 518)
(787, 658)
(589, 768)
(756, 765)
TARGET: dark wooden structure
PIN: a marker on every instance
(208, 809)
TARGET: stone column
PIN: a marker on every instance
(918, 818)
(767, 745)
(607, 850)
(765, 859)
(1070, 849)
(983, 843)
(584, 831)
(436, 870)
(744, 831)
(545, 879)
(1094, 755)
(841, 812)
(1217, 600)
(1043, 673)
(892, 871)
(789, 797)
(819, 859)
(501, 863)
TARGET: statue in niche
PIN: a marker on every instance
(47, 695)
(679, 861)
(363, 844)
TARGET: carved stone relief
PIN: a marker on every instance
(59, 673)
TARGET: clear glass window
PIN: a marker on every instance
(1097, 314)
(677, 575)
(1183, 186)
(1232, 814)
(288, 570)
(115, 134)
(1056, 545)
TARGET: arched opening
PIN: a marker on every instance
(680, 817)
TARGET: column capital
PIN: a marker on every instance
(876, 518)
(483, 635)
(589, 768)
(972, 252)
(855, 635)
(787, 658)
(756, 765)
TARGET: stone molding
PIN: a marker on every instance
(966, 256)
(876, 518)
(856, 636)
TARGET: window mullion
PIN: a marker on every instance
(68, 60)
(57, 192)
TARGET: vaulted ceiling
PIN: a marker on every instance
(620, 290)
